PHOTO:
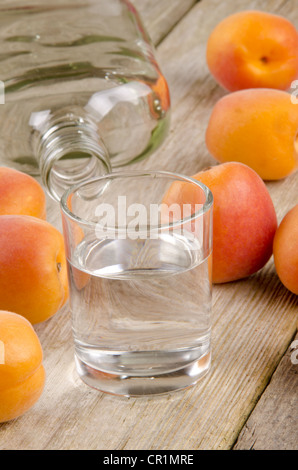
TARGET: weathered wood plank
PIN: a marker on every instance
(273, 425)
(254, 319)
(160, 16)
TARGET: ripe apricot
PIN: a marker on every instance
(244, 218)
(159, 101)
(257, 127)
(285, 250)
(162, 91)
(33, 274)
(253, 49)
(21, 194)
(22, 375)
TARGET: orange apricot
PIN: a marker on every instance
(244, 218)
(21, 194)
(257, 127)
(244, 221)
(33, 273)
(162, 91)
(22, 374)
(253, 49)
(285, 250)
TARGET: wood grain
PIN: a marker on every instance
(160, 16)
(254, 320)
(273, 423)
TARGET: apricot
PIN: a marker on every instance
(257, 127)
(33, 273)
(22, 374)
(253, 49)
(285, 250)
(21, 194)
(161, 90)
(244, 219)
(159, 101)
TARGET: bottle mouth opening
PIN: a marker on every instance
(74, 167)
(70, 151)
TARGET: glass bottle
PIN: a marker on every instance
(83, 91)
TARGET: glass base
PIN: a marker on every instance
(137, 386)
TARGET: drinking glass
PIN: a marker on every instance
(139, 248)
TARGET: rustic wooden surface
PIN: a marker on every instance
(250, 392)
(273, 423)
(162, 15)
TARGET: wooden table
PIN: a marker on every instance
(249, 398)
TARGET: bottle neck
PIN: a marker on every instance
(69, 150)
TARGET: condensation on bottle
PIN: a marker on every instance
(82, 92)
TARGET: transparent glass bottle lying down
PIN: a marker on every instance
(82, 92)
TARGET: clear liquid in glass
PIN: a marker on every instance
(140, 309)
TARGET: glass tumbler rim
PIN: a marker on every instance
(204, 208)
